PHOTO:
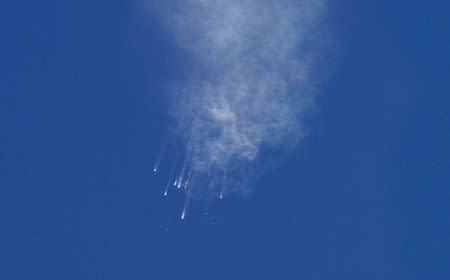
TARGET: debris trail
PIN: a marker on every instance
(186, 203)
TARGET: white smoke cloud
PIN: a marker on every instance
(252, 74)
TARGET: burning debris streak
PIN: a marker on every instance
(183, 214)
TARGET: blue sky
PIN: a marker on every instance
(83, 115)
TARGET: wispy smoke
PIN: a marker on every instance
(253, 71)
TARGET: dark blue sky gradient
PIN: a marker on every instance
(83, 115)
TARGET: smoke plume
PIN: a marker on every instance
(253, 67)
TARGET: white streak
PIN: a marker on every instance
(183, 214)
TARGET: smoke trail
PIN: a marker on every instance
(252, 74)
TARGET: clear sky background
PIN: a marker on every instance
(366, 195)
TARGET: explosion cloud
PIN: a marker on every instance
(253, 67)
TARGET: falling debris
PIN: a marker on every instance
(223, 186)
(183, 214)
(167, 188)
(169, 180)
